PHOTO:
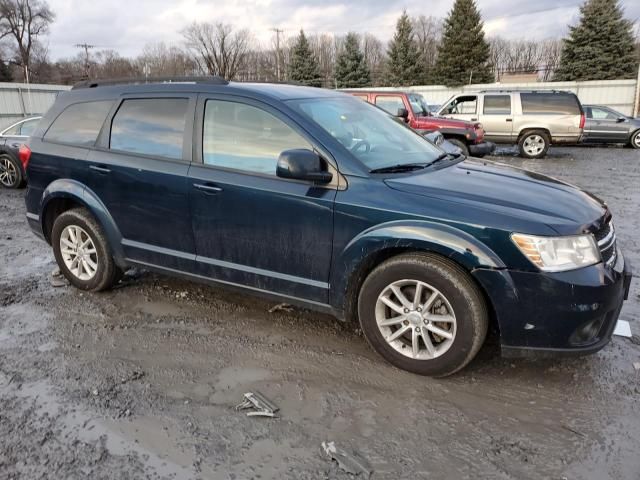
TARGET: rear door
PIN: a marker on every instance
(251, 227)
(604, 125)
(139, 171)
(497, 117)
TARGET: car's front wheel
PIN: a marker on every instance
(534, 144)
(461, 145)
(634, 141)
(82, 251)
(10, 172)
(423, 314)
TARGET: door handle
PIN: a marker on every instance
(101, 170)
(474, 119)
(509, 120)
(210, 189)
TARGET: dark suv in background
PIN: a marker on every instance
(316, 198)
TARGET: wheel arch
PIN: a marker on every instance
(524, 130)
(378, 244)
(64, 194)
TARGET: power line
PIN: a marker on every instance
(87, 64)
(278, 32)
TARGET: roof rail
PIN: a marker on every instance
(526, 90)
(211, 80)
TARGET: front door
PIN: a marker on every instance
(140, 172)
(251, 227)
(605, 125)
(497, 118)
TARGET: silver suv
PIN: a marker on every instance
(532, 119)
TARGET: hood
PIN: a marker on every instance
(509, 191)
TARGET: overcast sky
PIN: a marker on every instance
(127, 25)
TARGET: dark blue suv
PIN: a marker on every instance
(316, 198)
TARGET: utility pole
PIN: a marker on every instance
(87, 65)
(278, 32)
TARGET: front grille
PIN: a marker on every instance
(606, 239)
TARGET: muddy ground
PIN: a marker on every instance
(141, 382)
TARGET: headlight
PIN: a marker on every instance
(558, 254)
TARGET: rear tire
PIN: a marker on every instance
(10, 172)
(534, 144)
(82, 251)
(460, 144)
(436, 333)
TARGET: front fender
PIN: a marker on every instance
(68, 189)
(404, 235)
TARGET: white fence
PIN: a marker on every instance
(20, 100)
(617, 94)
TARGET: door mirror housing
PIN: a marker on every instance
(302, 164)
(403, 113)
(621, 119)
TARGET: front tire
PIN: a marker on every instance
(10, 172)
(82, 251)
(534, 144)
(461, 145)
(423, 314)
(634, 140)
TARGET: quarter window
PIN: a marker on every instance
(79, 124)
(150, 126)
(390, 104)
(549, 104)
(497, 105)
(246, 138)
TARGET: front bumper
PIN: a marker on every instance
(481, 149)
(557, 313)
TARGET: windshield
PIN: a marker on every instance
(419, 105)
(373, 136)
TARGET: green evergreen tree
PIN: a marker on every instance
(303, 66)
(404, 66)
(351, 69)
(600, 47)
(463, 54)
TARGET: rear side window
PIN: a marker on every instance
(549, 104)
(497, 105)
(79, 124)
(150, 126)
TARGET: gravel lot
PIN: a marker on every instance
(141, 382)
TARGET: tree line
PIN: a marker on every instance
(423, 50)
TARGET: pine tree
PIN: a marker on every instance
(351, 69)
(404, 65)
(463, 54)
(600, 47)
(303, 66)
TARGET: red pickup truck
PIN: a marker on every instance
(413, 108)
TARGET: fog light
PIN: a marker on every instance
(586, 332)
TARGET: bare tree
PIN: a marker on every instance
(428, 31)
(24, 21)
(324, 48)
(217, 48)
(374, 56)
(160, 59)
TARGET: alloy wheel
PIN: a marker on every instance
(534, 145)
(8, 172)
(78, 252)
(636, 140)
(415, 319)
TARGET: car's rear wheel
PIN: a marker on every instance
(461, 145)
(82, 251)
(534, 144)
(423, 314)
(10, 172)
(634, 141)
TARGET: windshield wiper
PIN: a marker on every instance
(444, 156)
(401, 167)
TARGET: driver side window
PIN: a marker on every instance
(463, 105)
(244, 137)
(601, 114)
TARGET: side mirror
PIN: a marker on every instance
(621, 119)
(403, 113)
(302, 164)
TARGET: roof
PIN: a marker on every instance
(279, 91)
